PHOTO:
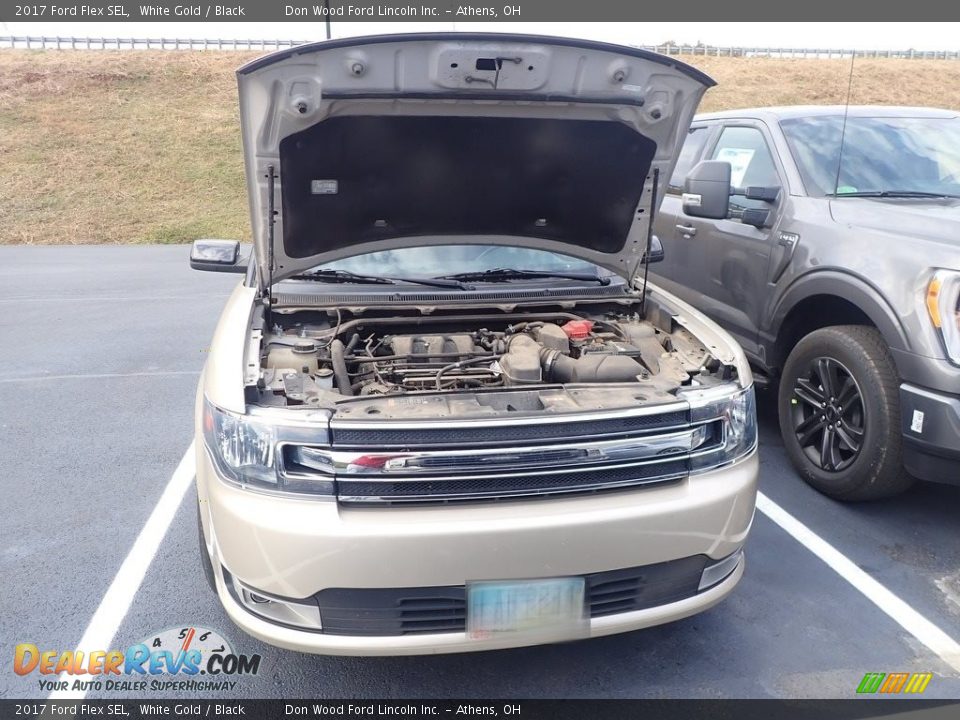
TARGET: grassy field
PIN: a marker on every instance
(144, 147)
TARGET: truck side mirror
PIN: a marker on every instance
(706, 190)
(656, 251)
(217, 256)
(758, 218)
(766, 194)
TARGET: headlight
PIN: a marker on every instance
(943, 306)
(246, 449)
(737, 413)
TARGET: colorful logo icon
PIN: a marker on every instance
(891, 683)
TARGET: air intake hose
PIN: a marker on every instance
(589, 368)
(340, 368)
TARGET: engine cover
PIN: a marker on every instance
(432, 346)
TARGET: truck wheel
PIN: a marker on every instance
(839, 405)
(205, 556)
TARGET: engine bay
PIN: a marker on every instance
(323, 358)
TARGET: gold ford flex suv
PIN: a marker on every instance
(444, 411)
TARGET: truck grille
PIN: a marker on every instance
(383, 612)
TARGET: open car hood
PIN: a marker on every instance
(376, 143)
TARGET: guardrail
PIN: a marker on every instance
(88, 43)
(96, 43)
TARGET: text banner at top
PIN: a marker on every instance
(446, 11)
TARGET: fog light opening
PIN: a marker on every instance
(719, 571)
(303, 614)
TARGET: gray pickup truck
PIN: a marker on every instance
(827, 241)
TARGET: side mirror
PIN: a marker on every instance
(766, 194)
(706, 191)
(656, 251)
(217, 256)
(758, 218)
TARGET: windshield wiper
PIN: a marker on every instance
(345, 276)
(504, 274)
(891, 194)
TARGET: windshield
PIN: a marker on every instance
(880, 154)
(434, 261)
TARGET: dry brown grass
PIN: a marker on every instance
(756, 82)
(121, 147)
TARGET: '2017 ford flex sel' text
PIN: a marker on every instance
(444, 411)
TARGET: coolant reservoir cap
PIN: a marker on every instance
(304, 347)
(578, 329)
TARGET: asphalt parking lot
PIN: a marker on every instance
(101, 349)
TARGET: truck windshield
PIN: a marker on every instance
(437, 260)
(894, 155)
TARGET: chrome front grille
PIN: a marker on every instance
(603, 457)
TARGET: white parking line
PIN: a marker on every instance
(909, 619)
(119, 596)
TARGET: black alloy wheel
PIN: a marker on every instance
(828, 416)
(839, 408)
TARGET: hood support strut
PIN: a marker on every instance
(646, 255)
(271, 222)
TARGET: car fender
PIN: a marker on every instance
(223, 376)
(850, 287)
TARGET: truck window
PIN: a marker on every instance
(751, 163)
(689, 154)
(750, 159)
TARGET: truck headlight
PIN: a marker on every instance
(943, 306)
(737, 412)
(246, 449)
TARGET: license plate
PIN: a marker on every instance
(551, 609)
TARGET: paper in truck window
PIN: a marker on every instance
(739, 159)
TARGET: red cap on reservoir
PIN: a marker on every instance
(578, 329)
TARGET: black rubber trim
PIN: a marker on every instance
(308, 48)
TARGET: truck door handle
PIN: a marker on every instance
(687, 229)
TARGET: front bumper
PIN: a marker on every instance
(295, 548)
(931, 432)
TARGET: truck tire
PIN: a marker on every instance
(839, 407)
(205, 556)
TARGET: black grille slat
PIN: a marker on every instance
(392, 611)
(365, 490)
(620, 591)
(628, 585)
(424, 607)
(397, 611)
(417, 617)
(427, 436)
